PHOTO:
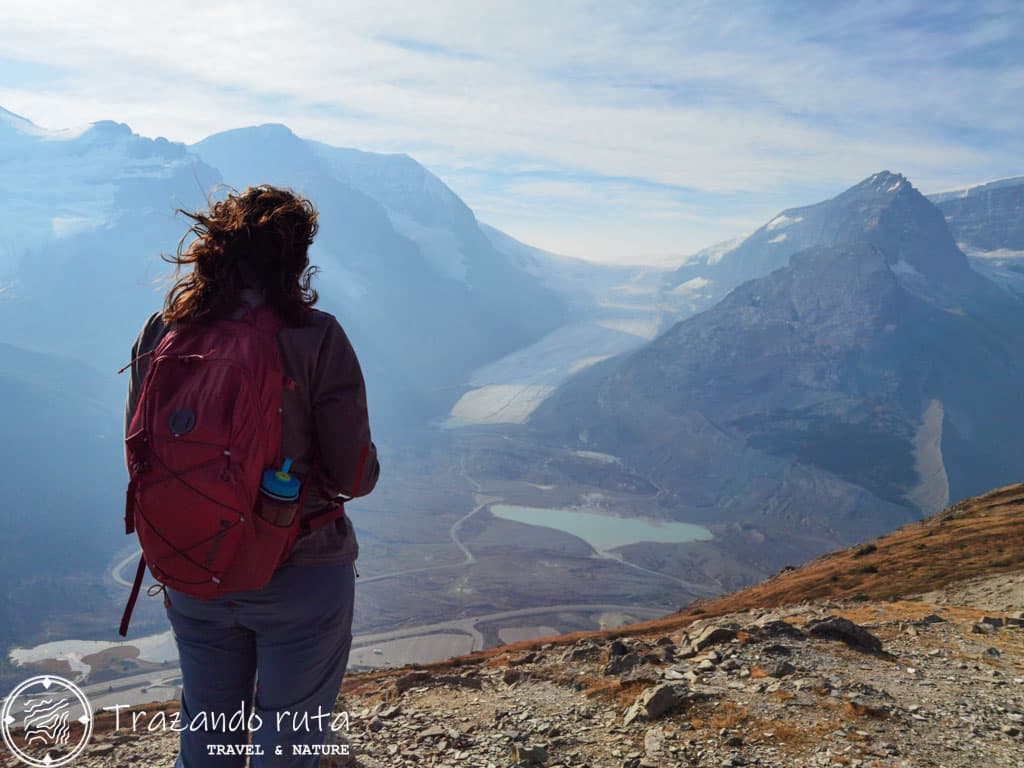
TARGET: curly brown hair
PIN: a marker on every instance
(258, 238)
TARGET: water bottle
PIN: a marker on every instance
(279, 491)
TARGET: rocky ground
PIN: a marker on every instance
(1003, 592)
(918, 682)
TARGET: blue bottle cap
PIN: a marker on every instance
(279, 484)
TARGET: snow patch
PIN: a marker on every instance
(953, 194)
(551, 359)
(901, 267)
(998, 253)
(895, 186)
(497, 404)
(778, 238)
(691, 287)
(715, 253)
(26, 127)
(439, 247)
(604, 458)
(782, 220)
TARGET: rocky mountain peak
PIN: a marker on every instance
(884, 210)
(883, 182)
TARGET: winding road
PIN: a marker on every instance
(468, 625)
(482, 500)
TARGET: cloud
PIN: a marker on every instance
(642, 109)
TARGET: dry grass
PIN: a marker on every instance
(610, 689)
(795, 737)
(912, 610)
(855, 709)
(792, 736)
(724, 714)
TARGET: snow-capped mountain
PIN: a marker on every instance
(404, 264)
(94, 208)
(875, 210)
(987, 221)
(91, 211)
(87, 214)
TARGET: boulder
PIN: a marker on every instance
(838, 628)
(713, 635)
(656, 701)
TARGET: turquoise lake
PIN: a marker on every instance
(604, 532)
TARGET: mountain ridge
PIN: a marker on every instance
(86, 221)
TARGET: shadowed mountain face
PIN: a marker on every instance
(873, 378)
(62, 459)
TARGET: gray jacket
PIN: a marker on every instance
(326, 408)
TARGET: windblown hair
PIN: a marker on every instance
(258, 238)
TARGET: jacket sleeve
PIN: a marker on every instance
(135, 374)
(145, 342)
(348, 457)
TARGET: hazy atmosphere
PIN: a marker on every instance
(663, 380)
(626, 132)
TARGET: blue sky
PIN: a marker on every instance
(614, 131)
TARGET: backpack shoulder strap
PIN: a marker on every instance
(126, 617)
(265, 317)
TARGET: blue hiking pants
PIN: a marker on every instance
(274, 657)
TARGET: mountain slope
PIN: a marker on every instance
(987, 221)
(840, 662)
(404, 264)
(986, 217)
(62, 460)
(91, 210)
(868, 381)
(87, 214)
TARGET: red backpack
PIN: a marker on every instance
(206, 426)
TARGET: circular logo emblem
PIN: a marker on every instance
(46, 721)
(182, 421)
